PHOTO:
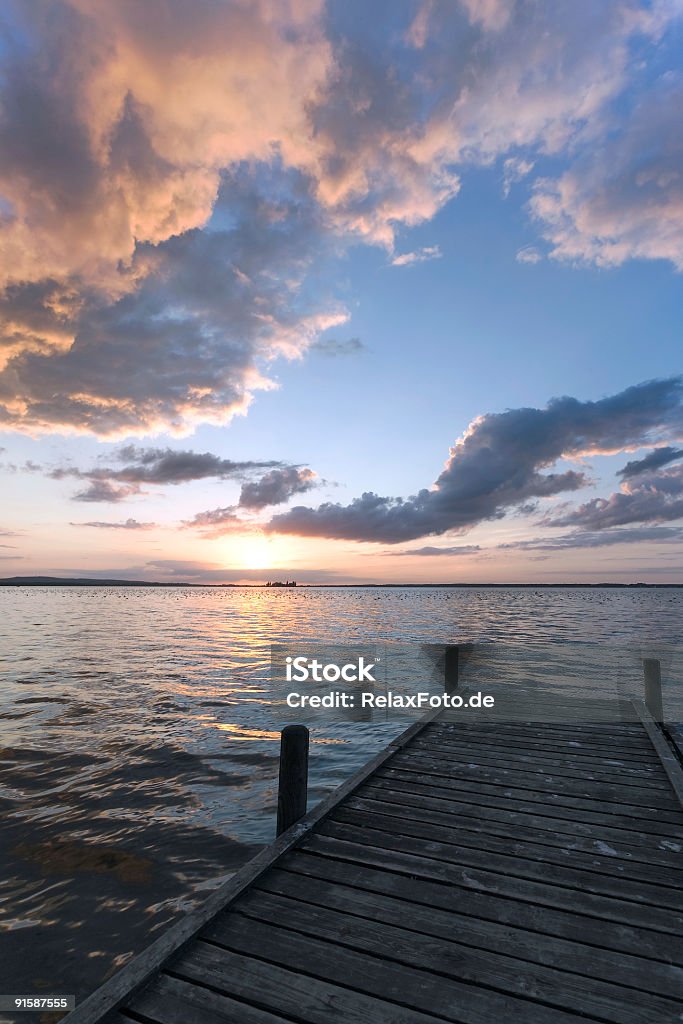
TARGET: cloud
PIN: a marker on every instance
(166, 466)
(514, 169)
(189, 341)
(652, 498)
(407, 259)
(89, 122)
(217, 521)
(334, 347)
(528, 254)
(491, 14)
(128, 524)
(496, 465)
(463, 549)
(12, 558)
(598, 539)
(159, 247)
(655, 460)
(104, 491)
(623, 197)
(276, 487)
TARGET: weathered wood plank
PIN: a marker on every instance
(579, 786)
(635, 846)
(169, 1000)
(606, 768)
(382, 896)
(413, 858)
(541, 749)
(519, 859)
(609, 731)
(397, 984)
(643, 754)
(660, 819)
(435, 892)
(554, 848)
(497, 798)
(453, 957)
(604, 739)
(289, 991)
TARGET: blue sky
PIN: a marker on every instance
(264, 263)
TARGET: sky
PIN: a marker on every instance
(340, 292)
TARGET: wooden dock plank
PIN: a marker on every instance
(498, 797)
(169, 1000)
(600, 770)
(512, 911)
(287, 990)
(398, 985)
(584, 786)
(429, 909)
(473, 872)
(507, 974)
(616, 869)
(659, 819)
(508, 825)
(566, 741)
(516, 876)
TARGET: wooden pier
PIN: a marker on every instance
(474, 872)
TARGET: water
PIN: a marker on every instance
(140, 732)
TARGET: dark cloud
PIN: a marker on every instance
(276, 487)
(655, 460)
(273, 488)
(463, 549)
(599, 539)
(200, 316)
(165, 466)
(334, 347)
(216, 521)
(127, 524)
(496, 465)
(648, 498)
(104, 491)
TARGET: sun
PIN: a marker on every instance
(255, 553)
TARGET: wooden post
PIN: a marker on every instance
(450, 680)
(653, 688)
(293, 786)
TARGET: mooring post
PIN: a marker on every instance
(293, 785)
(450, 679)
(653, 688)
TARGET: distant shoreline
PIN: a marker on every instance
(59, 581)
